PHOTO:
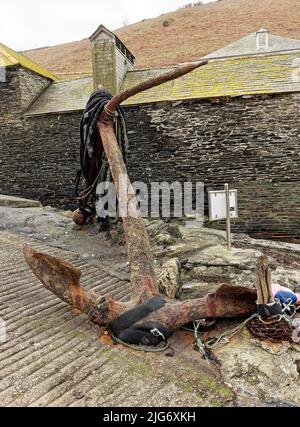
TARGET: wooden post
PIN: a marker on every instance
(267, 306)
(264, 281)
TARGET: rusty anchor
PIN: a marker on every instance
(63, 279)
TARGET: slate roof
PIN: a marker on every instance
(63, 96)
(262, 74)
(8, 57)
(247, 46)
(266, 74)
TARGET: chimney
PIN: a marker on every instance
(111, 60)
(262, 39)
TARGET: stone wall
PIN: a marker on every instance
(10, 129)
(10, 102)
(31, 86)
(253, 144)
(51, 152)
(38, 156)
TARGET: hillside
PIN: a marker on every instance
(183, 35)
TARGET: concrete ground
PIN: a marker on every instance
(55, 357)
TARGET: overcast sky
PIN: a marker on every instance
(26, 24)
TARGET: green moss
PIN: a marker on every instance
(10, 57)
(141, 368)
(230, 77)
(201, 383)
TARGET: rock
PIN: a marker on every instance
(287, 277)
(163, 239)
(155, 227)
(17, 202)
(160, 232)
(174, 230)
(168, 277)
(219, 256)
(116, 233)
(190, 290)
(260, 371)
(179, 250)
(207, 264)
(204, 236)
(211, 267)
(114, 236)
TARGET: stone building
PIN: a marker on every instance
(234, 120)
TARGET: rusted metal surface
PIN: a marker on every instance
(79, 217)
(228, 301)
(62, 279)
(276, 331)
(143, 277)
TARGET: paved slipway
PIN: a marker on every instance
(54, 356)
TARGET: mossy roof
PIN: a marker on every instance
(9, 57)
(223, 77)
(231, 77)
(63, 96)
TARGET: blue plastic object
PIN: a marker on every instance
(286, 297)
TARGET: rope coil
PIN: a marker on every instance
(145, 349)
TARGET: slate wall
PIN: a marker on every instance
(11, 130)
(31, 86)
(38, 156)
(43, 163)
(253, 144)
(10, 102)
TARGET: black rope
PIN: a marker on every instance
(89, 137)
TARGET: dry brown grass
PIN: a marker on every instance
(191, 33)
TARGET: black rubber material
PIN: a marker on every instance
(141, 334)
(149, 326)
(268, 310)
(138, 313)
